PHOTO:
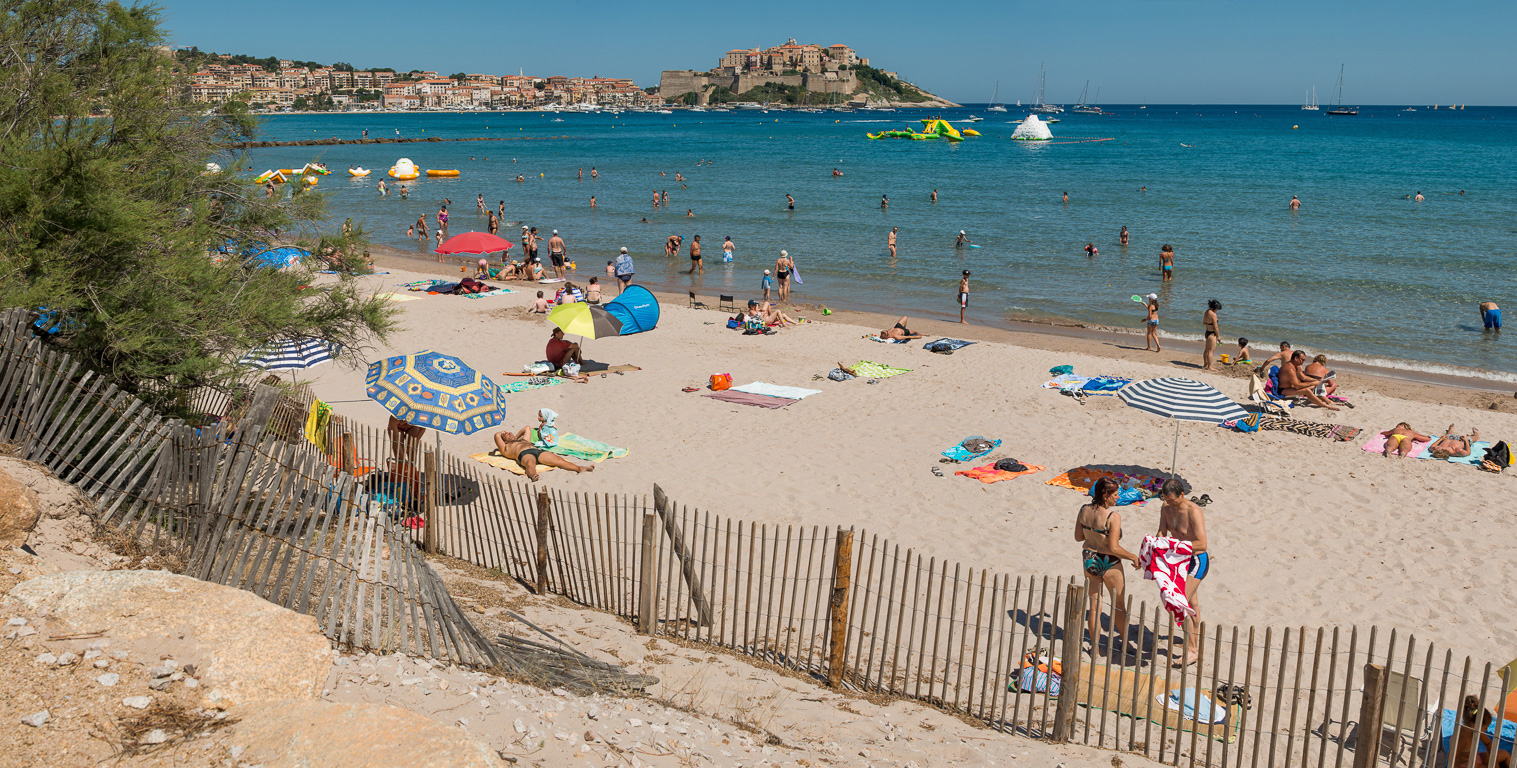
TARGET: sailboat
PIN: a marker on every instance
(1338, 108)
(1083, 108)
(995, 105)
(1037, 99)
(1311, 100)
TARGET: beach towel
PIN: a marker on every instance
(416, 285)
(623, 368)
(1104, 385)
(494, 459)
(1377, 445)
(1065, 379)
(1258, 421)
(748, 398)
(593, 451)
(960, 453)
(1166, 560)
(1477, 452)
(398, 297)
(989, 473)
(948, 345)
(870, 370)
(335, 272)
(1083, 479)
(523, 384)
(496, 292)
(775, 390)
(877, 337)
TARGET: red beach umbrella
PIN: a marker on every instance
(473, 242)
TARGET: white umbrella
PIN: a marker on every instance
(1180, 400)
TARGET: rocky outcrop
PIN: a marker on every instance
(19, 511)
(307, 734)
(245, 648)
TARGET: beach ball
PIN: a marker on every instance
(1295, 127)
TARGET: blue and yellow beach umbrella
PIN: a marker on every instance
(430, 389)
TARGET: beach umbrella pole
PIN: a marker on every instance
(1174, 457)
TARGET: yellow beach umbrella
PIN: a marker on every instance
(587, 320)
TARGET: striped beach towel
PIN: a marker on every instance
(876, 371)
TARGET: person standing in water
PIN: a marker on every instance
(934, 197)
(1167, 262)
(884, 202)
(727, 249)
(1213, 334)
(696, 265)
(782, 267)
(789, 202)
(1490, 314)
(890, 240)
(1151, 323)
(1295, 203)
(1066, 198)
(1419, 198)
(1122, 236)
(963, 296)
(384, 189)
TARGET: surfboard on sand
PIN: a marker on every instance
(1143, 695)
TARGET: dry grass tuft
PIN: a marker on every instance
(176, 719)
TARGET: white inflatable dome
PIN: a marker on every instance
(1032, 129)
(404, 167)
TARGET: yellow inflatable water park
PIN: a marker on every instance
(404, 169)
(360, 171)
(276, 177)
(933, 128)
(435, 172)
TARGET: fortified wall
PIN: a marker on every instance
(677, 82)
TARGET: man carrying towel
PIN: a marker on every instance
(1180, 518)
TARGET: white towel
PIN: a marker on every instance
(775, 390)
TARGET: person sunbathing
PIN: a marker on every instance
(516, 448)
(1467, 733)
(1399, 439)
(1452, 445)
(1295, 383)
(1317, 369)
(773, 316)
(900, 332)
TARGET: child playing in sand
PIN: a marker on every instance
(482, 271)
(766, 284)
(539, 307)
(1245, 355)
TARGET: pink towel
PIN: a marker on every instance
(1167, 560)
(745, 398)
(1377, 445)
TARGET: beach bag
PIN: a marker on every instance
(733, 322)
(1037, 677)
(1497, 457)
(1062, 370)
(1010, 465)
(721, 381)
(838, 374)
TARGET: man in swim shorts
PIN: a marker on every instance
(556, 252)
(963, 296)
(1181, 518)
(1452, 445)
(1490, 314)
(1294, 382)
(900, 332)
(890, 240)
(529, 457)
(695, 256)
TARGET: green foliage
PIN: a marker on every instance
(109, 215)
(876, 82)
(688, 98)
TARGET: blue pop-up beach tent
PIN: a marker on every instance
(636, 308)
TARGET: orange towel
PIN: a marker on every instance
(989, 473)
(1081, 478)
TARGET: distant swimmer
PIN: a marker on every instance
(789, 202)
(1122, 236)
(1490, 314)
(1187, 146)
(689, 214)
(593, 173)
(884, 202)
(934, 196)
(1295, 203)
(1143, 188)
(581, 174)
(962, 240)
(520, 178)
(1461, 192)
(1419, 198)
(1066, 198)
(1167, 262)
(836, 173)
(1091, 250)
(592, 201)
(661, 173)
(890, 240)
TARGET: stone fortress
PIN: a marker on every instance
(820, 69)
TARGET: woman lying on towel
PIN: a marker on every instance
(1399, 439)
(518, 449)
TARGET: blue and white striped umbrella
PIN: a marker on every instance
(292, 354)
(1183, 399)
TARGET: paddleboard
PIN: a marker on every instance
(795, 274)
(551, 280)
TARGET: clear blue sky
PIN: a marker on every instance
(1159, 51)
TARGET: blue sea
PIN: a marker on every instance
(1361, 271)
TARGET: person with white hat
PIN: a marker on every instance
(782, 267)
(556, 253)
(961, 240)
(623, 268)
(1151, 303)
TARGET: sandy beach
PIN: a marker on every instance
(1304, 531)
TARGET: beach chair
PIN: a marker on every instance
(1409, 711)
(726, 303)
(694, 302)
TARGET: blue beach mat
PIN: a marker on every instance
(959, 453)
(524, 384)
(948, 344)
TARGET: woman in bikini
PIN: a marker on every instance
(1399, 439)
(1098, 528)
(782, 267)
(1213, 334)
(1452, 445)
(1152, 323)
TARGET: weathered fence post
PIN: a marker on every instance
(1069, 678)
(1371, 713)
(647, 592)
(688, 568)
(544, 519)
(347, 451)
(837, 625)
(429, 502)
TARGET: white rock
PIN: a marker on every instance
(162, 670)
(37, 720)
(108, 679)
(48, 659)
(93, 653)
(21, 632)
(190, 682)
(155, 736)
(119, 655)
(519, 726)
(634, 722)
(101, 663)
(137, 702)
(16, 621)
(560, 692)
(236, 751)
(68, 659)
(412, 680)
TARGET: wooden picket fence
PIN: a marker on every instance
(865, 614)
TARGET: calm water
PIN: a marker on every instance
(1359, 271)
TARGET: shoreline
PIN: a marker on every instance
(1184, 355)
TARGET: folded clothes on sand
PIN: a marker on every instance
(1377, 445)
(989, 473)
(946, 345)
(494, 459)
(775, 390)
(961, 453)
(870, 370)
(877, 337)
(748, 398)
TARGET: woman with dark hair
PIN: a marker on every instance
(1213, 334)
(1098, 528)
(1468, 733)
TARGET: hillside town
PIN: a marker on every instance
(289, 85)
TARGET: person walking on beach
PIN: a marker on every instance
(1152, 322)
(789, 202)
(1295, 203)
(1098, 528)
(1213, 334)
(556, 252)
(890, 240)
(782, 267)
(622, 267)
(963, 296)
(1490, 314)
(696, 265)
(1122, 236)
(1167, 262)
(1183, 519)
